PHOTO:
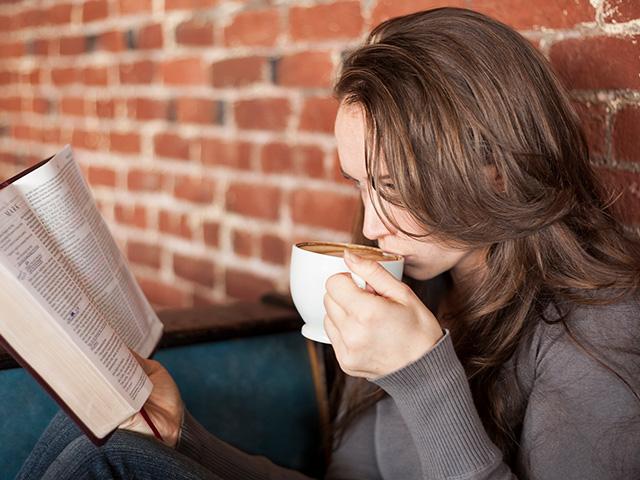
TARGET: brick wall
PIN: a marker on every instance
(205, 127)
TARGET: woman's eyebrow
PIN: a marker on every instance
(349, 177)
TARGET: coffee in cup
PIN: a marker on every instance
(312, 263)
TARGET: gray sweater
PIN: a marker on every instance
(580, 421)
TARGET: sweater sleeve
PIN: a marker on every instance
(435, 401)
(581, 420)
(225, 460)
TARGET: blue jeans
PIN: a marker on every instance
(64, 452)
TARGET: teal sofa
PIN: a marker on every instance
(244, 371)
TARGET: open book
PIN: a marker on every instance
(70, 307)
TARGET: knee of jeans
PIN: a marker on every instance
(82, 459)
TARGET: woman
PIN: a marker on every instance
(513, 355)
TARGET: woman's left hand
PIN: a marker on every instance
(376, 333)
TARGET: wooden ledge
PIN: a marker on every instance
(217, 322)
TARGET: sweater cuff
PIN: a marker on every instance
(192, 435)
(434, 398)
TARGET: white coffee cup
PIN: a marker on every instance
(312, 263)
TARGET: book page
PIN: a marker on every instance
(27, 255)
(60, 365)
(61, 200)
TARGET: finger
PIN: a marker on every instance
(335, 311)
(375, 275)
(343, 291)
(333, 332)
(149, 366)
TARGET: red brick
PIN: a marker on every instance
(235, 154)
(386, 9)
(197, 270)
(64, 76)
(626, 134)
(309, 160)
(15, 49)
(147, 109)
(196, 110)
(128, 7)
(619, 11)
(276, 158)
(139, 179)
(171, 145)
(521, 14)
(184, 71)
(196, 32)
(150, 37)
(262, 113)
(45, 47)
(32, 18)
(236, 72)
(211, 233)
(318, 114)
(197, 190)
(72, 45)
(33, 77)
(112, 41)
(21, 132)
(141, 72)
(51, 135)
(323, 209)
(7, 78)
(40, 105)
(134, 215)
(72, 106)
(161, 294)
(175, 224)
(58, 14)
(243, 242)
(105, 108)
(6, 23)
(94, 10)
(102, 176)
(124, 142)
(11, 104)
(188, 4)
(274, 249)
(246, 286)
(95, 76)
(593, 117)
(89, 140)
(199, 299)
(306, 69)
(256, 28)
(628, 185)
(327, 21)
(598, 62)
(254, 200)
(144, 254)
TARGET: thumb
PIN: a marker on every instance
(375, 276)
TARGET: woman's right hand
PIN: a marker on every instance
(164, 406)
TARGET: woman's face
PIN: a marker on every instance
(424, 258)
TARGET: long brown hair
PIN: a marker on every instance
(449, 94)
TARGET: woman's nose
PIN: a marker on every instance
(372, 227)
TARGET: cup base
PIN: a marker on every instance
(315, 333)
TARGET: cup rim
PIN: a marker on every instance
(393, 257)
